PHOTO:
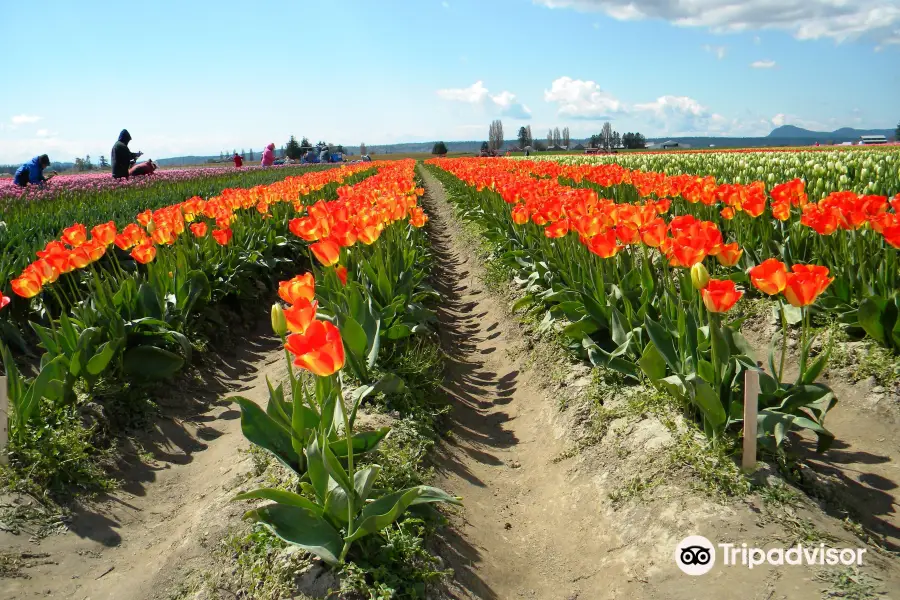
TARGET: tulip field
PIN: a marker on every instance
(645, 266)
(641, 261)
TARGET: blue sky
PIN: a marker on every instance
(199, 77)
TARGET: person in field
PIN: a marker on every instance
(121, 156)
(145, 168)
(268, 157)
(33, 172)
(238, 161)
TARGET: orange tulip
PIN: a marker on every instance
(769, 277)
(341, 271)
(627, 233)
(4, 300)
(417, 217)
(318, 349)
(604, 244)
(222, 236)
(145, 217)
(558, 229)
(520, 214)
(301, 287)
(653, 233)
(162, 235)
(45, 270)
(80, 257)
(308, 228)
(805, 283)
(95, 250)
(199, 229)
(60, 262)
(727, 213)
(730, 254)
(719, 296)
(27, 285)
(75, 235)
(327, 252)
(105, 233)
(369, 234)
(144, 253)
(300, 315)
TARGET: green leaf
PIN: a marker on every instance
(663, 342)
(354, 337)
(706, 371)
(150, 362)
(47, 337)
(282, 497)
(98, 363)
(398, 332)
(652, 363)
(301, 527)
(315, 463)
(793, 314)
(521, 303)
(150, 302)
(616, 328)
(813, 371)
(264, 431)
(363, 442)
(387, 509)
(364, 480)
(708, 402)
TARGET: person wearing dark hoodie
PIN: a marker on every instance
(33, 172)
(121, 157)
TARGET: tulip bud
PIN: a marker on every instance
(279, 322)
(699, 276)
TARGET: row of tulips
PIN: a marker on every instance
(133, 304)
(645, 294)
(26, 226)
(864, 170)
(332, 325)
(310, 429)
(856, 236)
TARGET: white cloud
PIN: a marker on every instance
(582, 99)
(681, 115)
(838, 20)
(778, 120)
(719, 51)
(763, 64)
(23, 119)
(445, 4)
(42, 133)
(510, 107)
(474, 94)
(505, 103)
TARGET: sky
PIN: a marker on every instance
(200, 77)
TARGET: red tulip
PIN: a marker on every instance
(719, 296)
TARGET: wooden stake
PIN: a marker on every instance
(751, 407)
(4, 421)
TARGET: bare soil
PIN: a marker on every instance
(140, 541)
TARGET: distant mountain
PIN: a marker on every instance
(844, 134)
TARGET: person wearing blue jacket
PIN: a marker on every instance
(33, 172)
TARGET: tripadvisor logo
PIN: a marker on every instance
(696, 555)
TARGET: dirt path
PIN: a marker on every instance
(515, 536)
(142, 540)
